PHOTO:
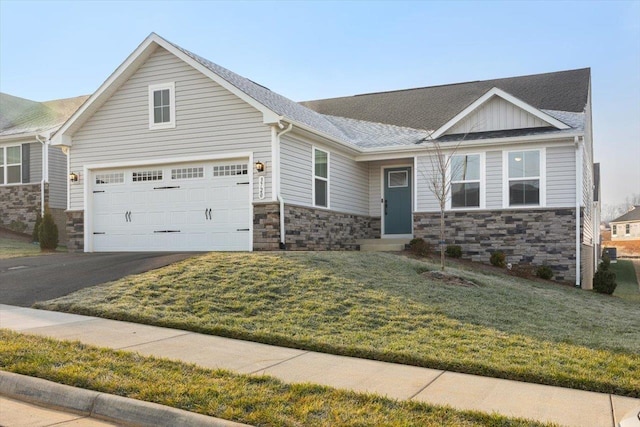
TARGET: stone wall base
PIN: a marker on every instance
(19, 206)
(310, 228)
(528, 237)
(75, 231)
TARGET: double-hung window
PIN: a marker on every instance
(465, 181)
(627, 229)
(615, 230)
(524, 178)
(320, 178)
(11, 164)
(162, 106)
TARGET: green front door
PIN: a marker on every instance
(397, 201)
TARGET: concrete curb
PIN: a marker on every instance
(108, 407)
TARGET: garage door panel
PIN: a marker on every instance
(199, 214)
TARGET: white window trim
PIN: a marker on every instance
(172, 108)
(614, 230)
(542, 178)
(314, 177)
(5, 165)
(481, 181)
(627, 229)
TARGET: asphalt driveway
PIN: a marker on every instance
(24, 281)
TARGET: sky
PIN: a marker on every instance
(310, 50)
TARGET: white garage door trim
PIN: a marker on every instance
(90, 170)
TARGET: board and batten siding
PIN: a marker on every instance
(497, 114)
(58, 178)
(348, 179)
(209, 121)
(561, 176)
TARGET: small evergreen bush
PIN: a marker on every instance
(36, 228)
(498, 258)
(604, 282)
(544, 272)
(420, 247)
(454, 251)
(48, 232)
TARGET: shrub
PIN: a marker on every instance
(18, 226)
(36, 228)
(544, 272)
(605, 263)
(454, 251)
(420, 247)
(604, 281)
(498, 259)
(48, 232)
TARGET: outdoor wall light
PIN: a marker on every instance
(259, 166)
(73, 177)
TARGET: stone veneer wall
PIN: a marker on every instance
(75, 231)
(310, 228)
(532, 237)
(20, 203)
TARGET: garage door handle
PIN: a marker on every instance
(166, 188)
(127, 216)
(242, 229)
(242, 183)
(207, 214)
(167, 231)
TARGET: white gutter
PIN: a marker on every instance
(275, 179)
(578, 203)
(45, 172)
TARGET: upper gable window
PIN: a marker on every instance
(162, 106)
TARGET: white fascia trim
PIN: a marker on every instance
(507, 97)
(390, 153)
(168, 160)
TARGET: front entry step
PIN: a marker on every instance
(382, 245)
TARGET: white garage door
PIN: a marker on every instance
(195, 207)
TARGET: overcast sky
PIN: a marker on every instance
(312, 50)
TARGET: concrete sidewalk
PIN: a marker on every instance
(468, 392)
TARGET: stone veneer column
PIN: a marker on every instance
(75, 231)
(530, 237)
(266, 227)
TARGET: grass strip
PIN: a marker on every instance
(10, 248)
(627, 288)
(381, 307)
(256, 400)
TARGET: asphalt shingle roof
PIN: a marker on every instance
(632, 215)
(431, 107)
(22, 116)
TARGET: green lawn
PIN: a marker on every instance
(10, 248)
(382, 306)
(627, 282)
(256, 400)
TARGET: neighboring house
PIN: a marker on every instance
(32, 173)
(174, 152)
(627, 226)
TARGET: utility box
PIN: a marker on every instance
(612, 253)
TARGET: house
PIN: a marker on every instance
(32, 172)
(174, 152)
(627, 226)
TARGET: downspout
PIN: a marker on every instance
(44, 172)
(578, 145)
(276, 187)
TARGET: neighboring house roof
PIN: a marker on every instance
(431, 107)
(632, 215)
(19, 116)
(561, 95)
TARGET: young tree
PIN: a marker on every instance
(439, 181)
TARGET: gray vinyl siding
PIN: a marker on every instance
(295, 171)
(349, 185)
(209, 121)
(35, 162)
(348, 179)
(561, 176)
(57, 178)
(375, 182)
(493, 174)
(427, 202)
